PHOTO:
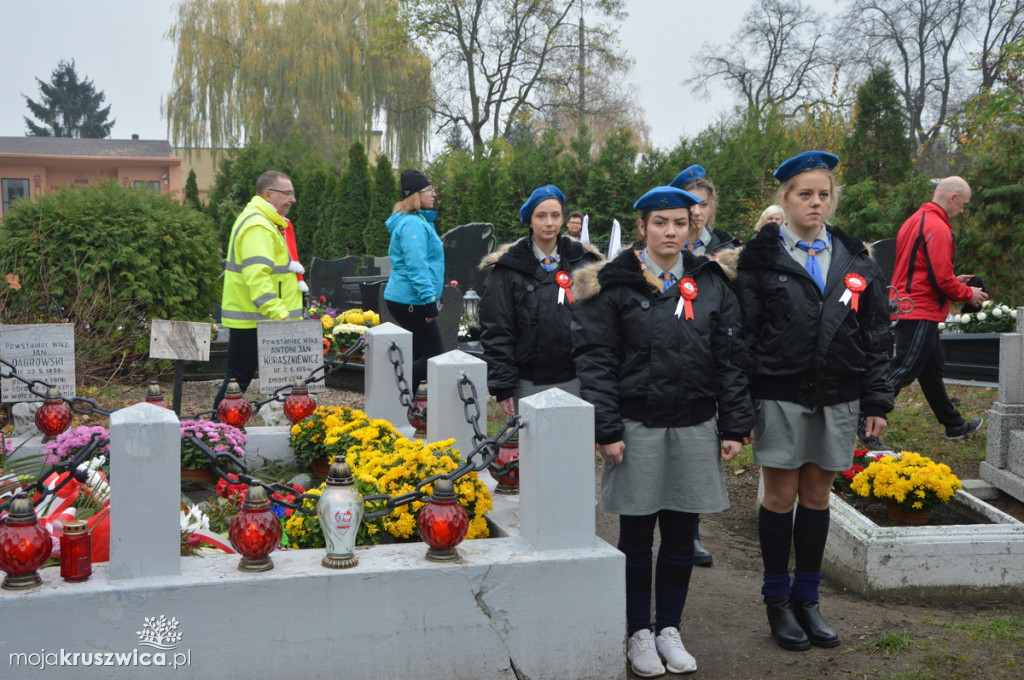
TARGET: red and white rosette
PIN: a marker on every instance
(855, 285)
(687, 293)
(564, 282)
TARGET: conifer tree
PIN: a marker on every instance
(353, 207)
(68, 107)
(879, 148)
(376, 238)
(192, 191)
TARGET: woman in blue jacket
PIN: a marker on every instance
(413, 293)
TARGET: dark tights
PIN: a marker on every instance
(672, 574)
(426, 337)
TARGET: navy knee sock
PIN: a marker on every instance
(775, 529)
(810, 531)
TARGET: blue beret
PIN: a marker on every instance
(808, 160)
(664, 198)
(540, 194)
(686, 176)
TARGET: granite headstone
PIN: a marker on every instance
(464, 247)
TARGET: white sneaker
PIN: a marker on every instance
(670, 646)
(642, 655)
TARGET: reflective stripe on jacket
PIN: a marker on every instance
(258, 285)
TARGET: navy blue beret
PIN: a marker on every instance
(540, 194)
(686, 176)
(808, 160)
(664, 198)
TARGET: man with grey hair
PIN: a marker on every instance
(924, 273)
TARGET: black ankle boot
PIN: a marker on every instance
(701, 557)
(818, 632)
(786, 630)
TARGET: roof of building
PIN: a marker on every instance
(70, 146)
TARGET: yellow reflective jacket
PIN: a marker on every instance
(258, 284)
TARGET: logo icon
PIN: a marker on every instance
(159, 633)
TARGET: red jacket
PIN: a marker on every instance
(924, 264)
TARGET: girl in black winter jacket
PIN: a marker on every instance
(655, 337)
(527, 305)
(816, 322)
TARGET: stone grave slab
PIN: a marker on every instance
(289, 350)
(44, 351)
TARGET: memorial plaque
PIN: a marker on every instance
(289, 350)
(185, 340)
(44, 351)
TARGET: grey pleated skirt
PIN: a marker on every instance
(787, 435)
(666, 468)
(527, 388)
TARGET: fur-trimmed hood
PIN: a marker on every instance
(625, 270)
(519, 255)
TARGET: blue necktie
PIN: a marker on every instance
(548, 263)
(812, 266)
(670, 279)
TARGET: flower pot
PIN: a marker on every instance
(321, 466)
(203, 476)
(908, 515)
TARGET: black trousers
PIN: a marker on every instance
(242, 362)
(426, 337)
(919, 357)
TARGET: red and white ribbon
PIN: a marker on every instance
(855, 285)
(687, 293)
(564, 282)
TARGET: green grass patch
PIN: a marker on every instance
(887, 644)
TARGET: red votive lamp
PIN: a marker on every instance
(54, 416)
(508, 483)
(24, 546)
(443, 523)
(419, 419)
(255, 531)
(75, 551)
(299, 404)
(155, 396)
(233, 408)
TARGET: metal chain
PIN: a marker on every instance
(76, 404)
(405, 396)
(471, 401)
(68, 465)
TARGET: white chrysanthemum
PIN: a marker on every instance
(982, 316)
(987, 303)
(942, 326)
(193, 519)
(965, 318)
(1013, 313)
(997, 312)
(957, 318)
(343, 328)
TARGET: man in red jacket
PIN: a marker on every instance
(924, 273)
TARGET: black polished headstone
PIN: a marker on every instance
(326, 278)
(370, 267)
(464, 247)
(884, 252)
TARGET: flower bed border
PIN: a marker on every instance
(957, 562)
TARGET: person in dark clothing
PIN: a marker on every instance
(816, 323)
(654, 341)
(527, 305)
(704, 238)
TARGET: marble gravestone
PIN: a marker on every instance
(464, 247)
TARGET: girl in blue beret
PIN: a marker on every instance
(703, 238)
(527, 305)
(816, 322)
(654, 340)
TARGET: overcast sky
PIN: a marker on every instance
(121, 46)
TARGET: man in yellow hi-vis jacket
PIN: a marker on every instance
(260, 277)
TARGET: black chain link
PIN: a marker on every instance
(471, 402)
(405, 396)
(76, 404)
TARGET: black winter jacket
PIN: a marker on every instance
(721, 241)
(807, 348)
(524, 331)
(636, 359)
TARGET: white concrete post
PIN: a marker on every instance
(445, 415)
(145, 458)
(381, 391)
(556, 471)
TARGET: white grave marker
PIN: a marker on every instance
(289, 350)
(43, 351)
(185, 340)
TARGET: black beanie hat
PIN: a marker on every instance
(413, 181)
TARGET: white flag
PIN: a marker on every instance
(615, 242)
(585, 234)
